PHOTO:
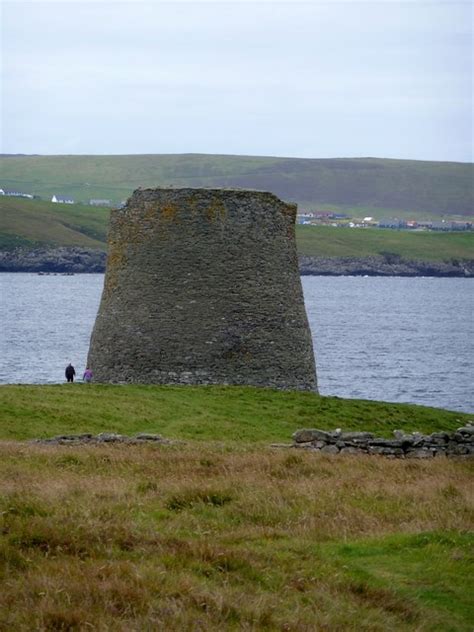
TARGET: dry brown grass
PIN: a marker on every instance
(210, 538)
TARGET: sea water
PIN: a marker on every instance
(393, 339)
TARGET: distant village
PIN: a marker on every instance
(58, 199)
(306, 218)
(316, 218)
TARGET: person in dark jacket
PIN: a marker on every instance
(70, 372)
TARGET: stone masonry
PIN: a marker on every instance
(202, 287)
(415, 445)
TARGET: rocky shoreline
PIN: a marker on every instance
(387, 265)
(53, 260)
(86, 260)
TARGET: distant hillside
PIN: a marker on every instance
(33, 224)
(372, 185)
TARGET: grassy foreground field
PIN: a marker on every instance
(201, 538)
(30, 223)
(222, 532)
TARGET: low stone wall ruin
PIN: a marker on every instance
(105, 437)
(403, 445)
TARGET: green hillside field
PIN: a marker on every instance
(31, 223)
(327, 241)
(372, 186)
(220, 530)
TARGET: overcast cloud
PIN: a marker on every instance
(386, 79)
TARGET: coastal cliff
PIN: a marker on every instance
(88, 260)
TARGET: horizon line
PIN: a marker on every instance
(120, 155)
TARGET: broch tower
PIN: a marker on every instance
(202, 287)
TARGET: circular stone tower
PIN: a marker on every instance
(202, 287)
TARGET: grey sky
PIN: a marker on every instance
(386, 79)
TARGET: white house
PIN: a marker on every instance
(60, 200)
(17, 194)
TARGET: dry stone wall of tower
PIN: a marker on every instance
(202, 287)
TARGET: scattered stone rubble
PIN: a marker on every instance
(105, 437)
(403, 446)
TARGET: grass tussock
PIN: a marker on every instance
(213, 538)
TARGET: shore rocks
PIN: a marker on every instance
(383, 266)
(52, 260)
(79, 260)
(403, 445)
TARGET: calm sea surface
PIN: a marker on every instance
(393, 339)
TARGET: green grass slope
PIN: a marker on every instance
(201, 413)
(429, 188)
(327, 241)
(31, 223)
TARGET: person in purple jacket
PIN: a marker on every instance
(87, 377)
